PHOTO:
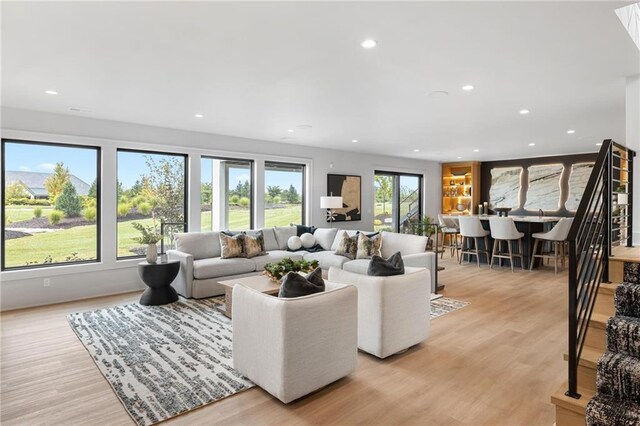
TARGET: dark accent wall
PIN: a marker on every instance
(566, 160)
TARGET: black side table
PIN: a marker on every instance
(158, 277)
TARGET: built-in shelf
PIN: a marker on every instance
(460, 187)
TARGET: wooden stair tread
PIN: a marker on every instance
(608, 288)
(599, 320)
(625, 254)
(576, 405)
(589, 358)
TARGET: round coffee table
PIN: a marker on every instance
(158, 277)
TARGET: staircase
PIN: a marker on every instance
(609, 368)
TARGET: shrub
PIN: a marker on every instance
(234, 199)
(55, 217)
(243, 202)
(136, 201)
(37, 212)
(90, 214)
(277, 199)
(68, 201)
(123, 209)
(26, 202)
(144, 208)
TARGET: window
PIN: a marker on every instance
(226, 194)
(50, 204)
(283, 194)
(151, 188)
(398, 201)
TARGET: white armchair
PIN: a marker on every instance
(393, 312)
(292, 347)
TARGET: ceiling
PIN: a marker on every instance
(258, 69)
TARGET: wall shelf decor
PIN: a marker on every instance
(460, 187)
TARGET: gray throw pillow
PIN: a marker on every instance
(381, 267)
(348, 246)
(295, 285)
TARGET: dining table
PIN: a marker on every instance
(528, 225)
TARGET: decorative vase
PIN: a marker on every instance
(152, 253)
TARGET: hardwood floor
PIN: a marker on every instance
(494, 362)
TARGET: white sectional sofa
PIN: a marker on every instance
(202, 268)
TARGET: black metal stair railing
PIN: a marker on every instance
(589, 250)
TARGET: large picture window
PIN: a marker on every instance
(50, 204)
(226, 194)
(398, 201)
(283, 194)
(151, 189)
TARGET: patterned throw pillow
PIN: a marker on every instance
(231, 245)
(254, 244)
(368, 245)
(348, 246)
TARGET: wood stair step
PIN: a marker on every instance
(587, 367)
(605, 300)
(570, 411)
(596, 335)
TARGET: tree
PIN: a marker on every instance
(166, 187)
(384, 190)
(119, 189)
(93, 189)
(273, 191)
(16, 190)
(68, 201)
(57, 181)
(291, 195)
(206, 190)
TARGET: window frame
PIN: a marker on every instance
(186, 192)
(98, 152)
(303, 196)
(396, 190)
(252, 192)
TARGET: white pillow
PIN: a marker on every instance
(325, 237)
(308, 240)
(294, 243)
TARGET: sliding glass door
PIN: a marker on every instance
(398, 201)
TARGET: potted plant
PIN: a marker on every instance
(149, 236)
(277, 270)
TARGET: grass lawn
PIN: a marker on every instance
(239, 219)
(20, 213)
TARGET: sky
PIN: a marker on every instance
(131, 165)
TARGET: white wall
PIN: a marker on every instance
(632, 112)
(25, 288)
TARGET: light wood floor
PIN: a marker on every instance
(494, 362)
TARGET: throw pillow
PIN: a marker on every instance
(348, 246)
(231, 245)
(296, 285)
(304, 229)
(294, 243)
(368, 245)
(254, 244)
(325, 236)
(308, 240)
(381, 267)
(283, 233)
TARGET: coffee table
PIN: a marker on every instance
(261, 283)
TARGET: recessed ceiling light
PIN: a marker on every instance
(290, 130)
(599, 144)
(199, 116)
(50, 92)
(532, 144)
(476, 150)
(467, 87)
(570, 131)
(354, 140)
(369, 44)
(459, 158)
(416, 150)
(524, 111)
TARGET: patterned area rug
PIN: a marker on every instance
(444, 305)
(162, 361)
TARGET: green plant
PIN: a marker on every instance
(144, 208)
(621, 188)
(277, 270)
(90, 214)
(27, 202)
(123, 209)
(426, 226)
(234, 199)
(57, 181)
(149, 234)
(136, 201)
(37, 212)
(55, 217)
(68, 201)
(243, 202)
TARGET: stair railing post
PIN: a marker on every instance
(573, 322)
(608, 198)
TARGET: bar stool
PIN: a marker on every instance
(449, 228)
(557, 236)
(504, 229)
(471, 229)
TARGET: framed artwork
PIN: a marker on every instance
(349, 188)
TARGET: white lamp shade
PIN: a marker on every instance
(330, 202)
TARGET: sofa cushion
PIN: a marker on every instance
(348, 246)
(283, 233)
(338, 237)
(296, 285)
(218, 267)
(274, 256)
(381, 267)
(253, 245)
(368, 245)
(327, 259)
(232, 245)
(200, 245)
(404, 243)
(358, 266)
(304, 229)
(325, 237)
(270, 241)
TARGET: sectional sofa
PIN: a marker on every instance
(202, 268)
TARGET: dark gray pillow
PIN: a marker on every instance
(381, 267)
(295, 285)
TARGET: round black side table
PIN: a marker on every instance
(158, 277)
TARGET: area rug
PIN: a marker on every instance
(162, 361)
(445, 305)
